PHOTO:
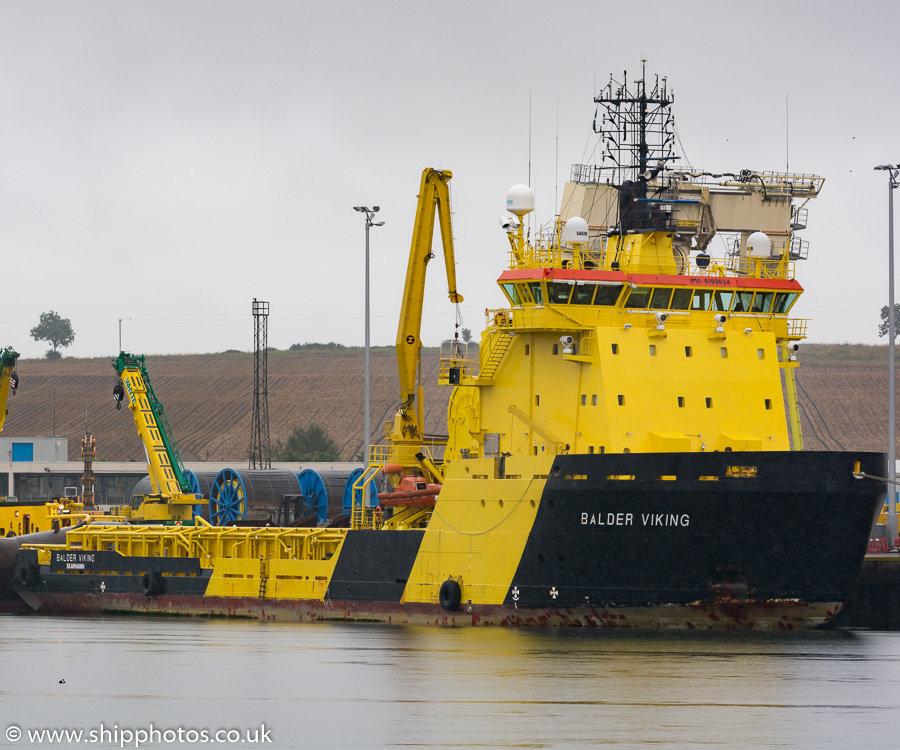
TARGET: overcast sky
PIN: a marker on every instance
(167, 162)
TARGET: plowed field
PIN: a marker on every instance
(208, 401)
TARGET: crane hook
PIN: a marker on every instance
(118, 395)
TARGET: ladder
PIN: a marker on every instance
(494, 356)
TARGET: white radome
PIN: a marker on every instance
(576, 231)
(520, 200)
(759, 245)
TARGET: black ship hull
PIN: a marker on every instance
(680, 527)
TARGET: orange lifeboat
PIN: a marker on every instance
(412, 492)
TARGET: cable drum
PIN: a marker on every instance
(250, 496)
(350, 495)
(140, 489)
(201, 481)
(323, 492)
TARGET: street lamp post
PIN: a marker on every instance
(370, 215)
(893, 174)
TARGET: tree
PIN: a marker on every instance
(472, 346)
(884, 325)
(306, 444)
(54, 329)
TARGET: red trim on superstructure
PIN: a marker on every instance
(649, 279)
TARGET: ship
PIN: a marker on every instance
(623, 449)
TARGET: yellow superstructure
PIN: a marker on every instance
(625, 347)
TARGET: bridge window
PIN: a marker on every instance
(660, 299)
(721, 301)
(558, 292)
(608, 294)
(701, 299)
(681, 299)
(762, 302)
(783, 302)
(638, 298)
(742, 301)
(512, 293)
(583, 294)
(536, 292)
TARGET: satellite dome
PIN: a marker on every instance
(759, 245)
(576, 230)
(520, 200)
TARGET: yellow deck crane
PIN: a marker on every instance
(27, 517)
(408, 431)
(171, 498)
(414, 477)
(9, 379)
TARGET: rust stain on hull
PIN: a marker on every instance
(745, 615)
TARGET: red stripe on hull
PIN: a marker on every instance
(745, 615)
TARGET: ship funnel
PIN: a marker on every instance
(576, 231)
(759, 245)
(520, 200)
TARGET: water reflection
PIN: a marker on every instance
(373, 686)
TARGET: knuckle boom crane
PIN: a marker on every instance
(408, 430)
(171, 498)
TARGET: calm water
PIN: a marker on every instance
(349, 686)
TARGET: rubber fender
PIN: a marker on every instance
(153, 583)
(450, 595)
(29, 575)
